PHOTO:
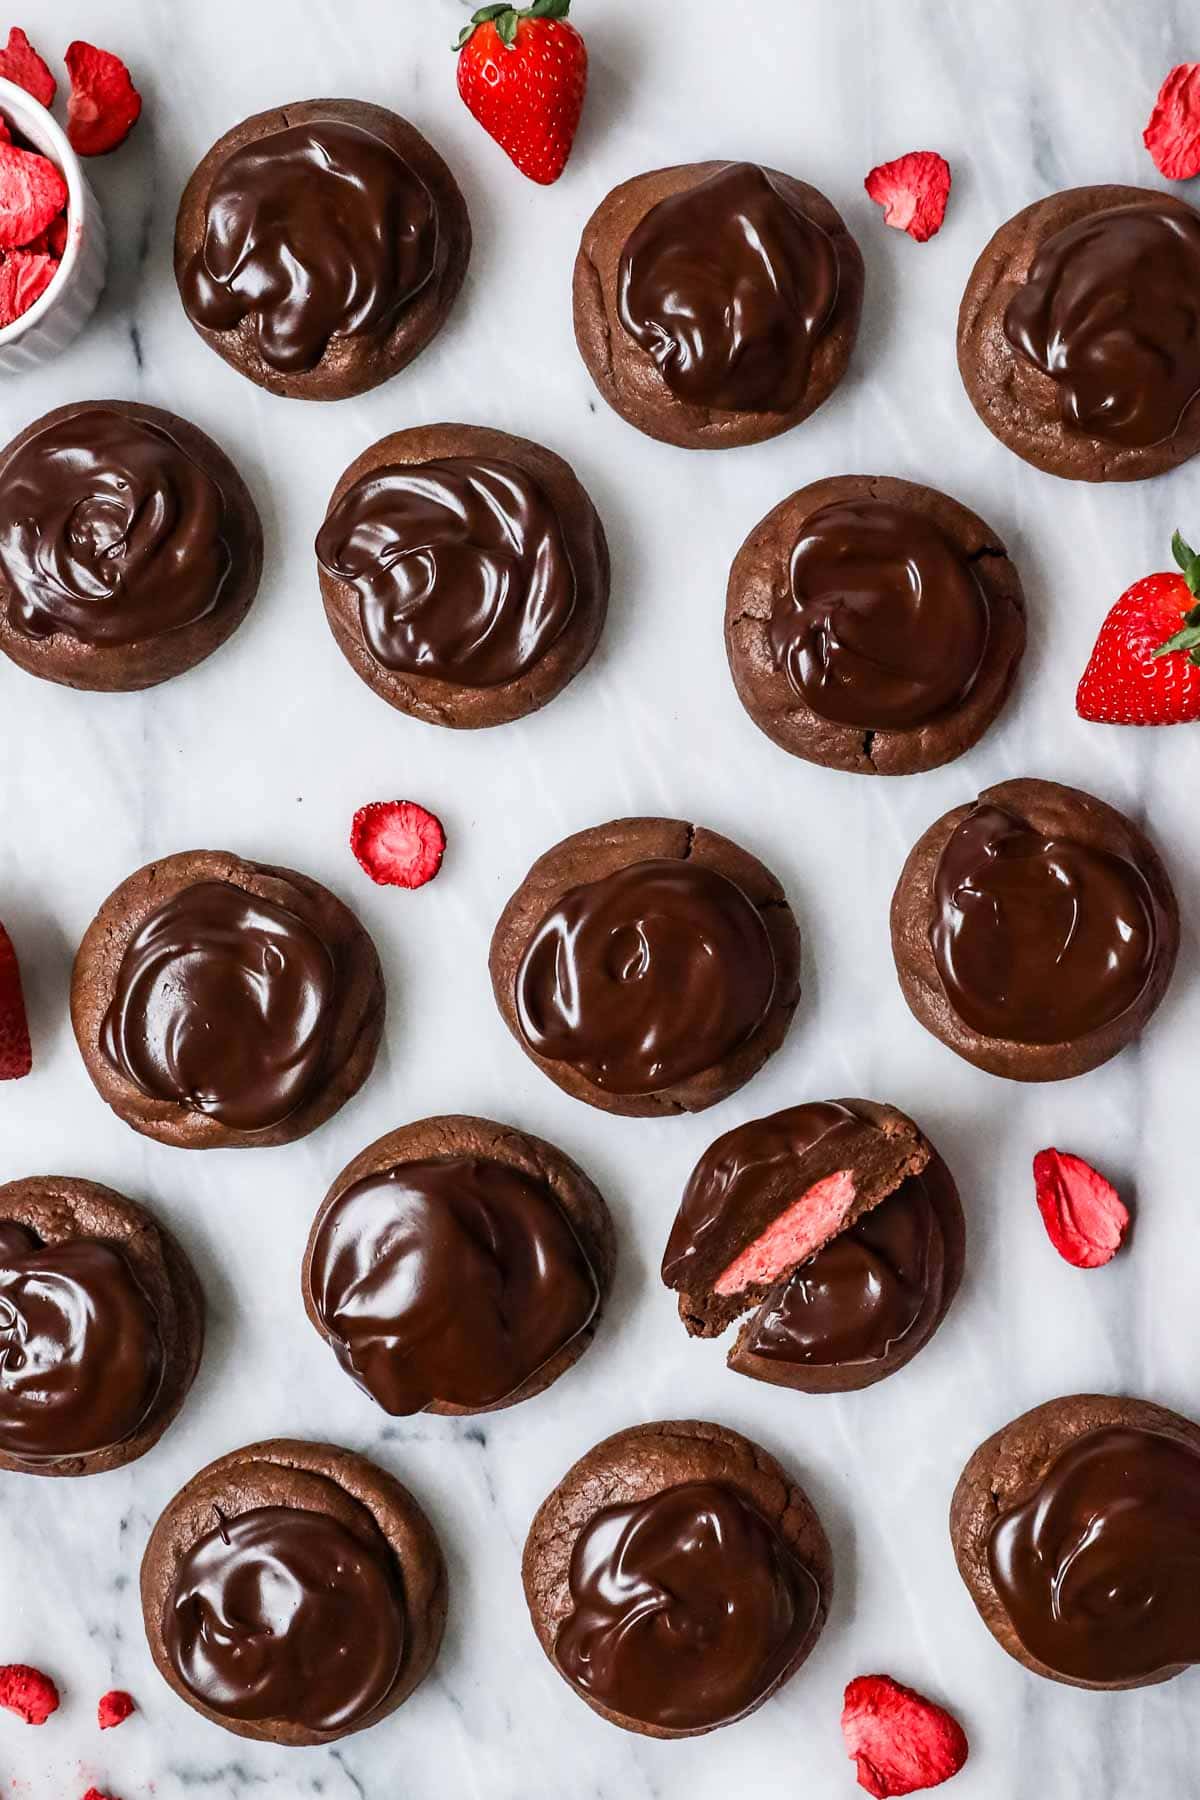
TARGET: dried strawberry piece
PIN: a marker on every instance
(24, 278)
(16, 1057)
(1173, 135)
(899, 1741)
(398, 843)
(52, 241)
(95, 1794)
(104, 106)
(114, 1708)
(32, 192)
(1083, 1213)
(20, 62)
(27, 1692)
(913, 191)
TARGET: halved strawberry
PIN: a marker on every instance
(398, 843)
(1145, 669)
(16, 1056)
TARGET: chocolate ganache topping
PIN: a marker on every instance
(313, 232)
(1099, 1569)
(729, 286)
(884, 625)
(452, 1280)
(460, 565)
(646, 977)
(740, 1166)
(686, 1608)
(285, 1614)
(109, 532)
(223, 1003)
(1110, 311)
(860, 1296)
(81, 1355)
(1038, 940)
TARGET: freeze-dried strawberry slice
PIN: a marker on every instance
(913, 191)
(20, 62)
(24, 278)
(27, 1692)
(1083, 1213)
(52, 241)
(1173, 135)
(32, 193)
(899, 1741)
(398, 843)
(16, 1058)
(114, 1708)
(104, 106)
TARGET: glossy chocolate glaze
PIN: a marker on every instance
(1036, 940)
(1110, 311)
(729, 286)
(81, 1353)
(686, 1608)
(460, 565)
(314, 232)
(646, 977)
(738, 1167)
(223, 1003)
(110, 533)
(1099, 1569)
(884, 625)
(453, 1280)
(860, 1296)
(285, 1614)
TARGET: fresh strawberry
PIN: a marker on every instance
(398, 843)
(524, 76)
(1145, 669)
(16, 1058)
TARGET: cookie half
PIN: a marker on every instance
(218, 1002)
(294, 1593)
(103, 1321)
(676, 1577)
(458, 1266)
(874, 625)
(647, 966)
(465, 573)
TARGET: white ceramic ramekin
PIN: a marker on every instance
(60, 314)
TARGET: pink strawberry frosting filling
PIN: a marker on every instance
(798, 1233)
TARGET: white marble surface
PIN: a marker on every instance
(270, 746)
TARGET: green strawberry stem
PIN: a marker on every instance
(506, 17)
(1188, 639)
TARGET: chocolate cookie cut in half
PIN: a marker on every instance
(465, 573)
(1077, 1532)
(293, 1593)
(836, 1227)
(130, 548)
(873, 625)
(218, 1002)
(676, 1577)
(458, 1266)
(716, 303)
(647, 966)
(101, 1328)
(1079, 334)
(1035, 932)
(320, 246)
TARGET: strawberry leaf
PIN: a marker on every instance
(547, 9)
(506, 25)
(484, 16)
(1187, 639)
(1188, 561)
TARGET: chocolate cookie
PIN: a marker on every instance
(647, 966)
(464, 573)
(458, 1266)
(101, 1328)
(319, 247)
(873, 625)
(1079, 333)
(294, 1593)
(1077, 1532)
(221, 1002)
(716, 303)
(1035, 931)
(676, 1577)
(130, 548)
(836, 1228)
